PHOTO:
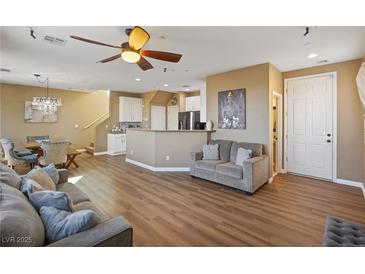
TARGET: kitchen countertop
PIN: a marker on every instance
(167, 130)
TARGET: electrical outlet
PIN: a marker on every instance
(132, 152)
(106, 126)
(167, 157)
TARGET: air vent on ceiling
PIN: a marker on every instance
(4, 70)
(323, 61)
(54, 40)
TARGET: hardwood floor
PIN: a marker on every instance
(173, 209)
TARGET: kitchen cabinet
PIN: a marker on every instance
(117, 144)
(130, 109)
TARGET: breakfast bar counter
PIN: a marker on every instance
(164, 150)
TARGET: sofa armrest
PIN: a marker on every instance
(114, 232)
(256, 171)
(63, 176)
(196, 156)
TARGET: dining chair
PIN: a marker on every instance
(13, 158)
(54, 152)
(38, 138)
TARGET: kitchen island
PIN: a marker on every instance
(164, 150)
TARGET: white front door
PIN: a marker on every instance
(172, 117)
(158, 118)
(310, 126)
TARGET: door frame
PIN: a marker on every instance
(333, 74)
(279, 144)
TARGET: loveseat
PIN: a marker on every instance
(21, 225)
(249, 177)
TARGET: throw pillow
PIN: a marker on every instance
(9, 176)
(210, 152)
(59, 200)
(52, 172)
(60, 224)
(29, 186)
(243, 155)
(42, 178)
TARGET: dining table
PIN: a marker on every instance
(71, 153)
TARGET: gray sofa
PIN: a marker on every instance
(251, 176)
(20, 224)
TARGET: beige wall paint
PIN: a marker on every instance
(152, 147)
(78, 108)
(106, 126)
(350, 124)
(256, 81)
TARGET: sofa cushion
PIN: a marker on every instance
(42, 178)
(224, 148)
(88, 205)
(9, 176)
(243, 155)
(60, 224)
(256, 149)
(211, 152)
(207, 164)
(56, 199)
(230, 169)
(74, 192)
(29, 186)
(20, 224)
(52, 172)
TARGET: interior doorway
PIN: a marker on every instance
(277, 132)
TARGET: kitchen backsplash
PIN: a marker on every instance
(124, 125)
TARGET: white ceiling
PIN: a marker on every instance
(206, 51)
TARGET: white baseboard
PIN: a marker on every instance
(158, 169)
(271, 179)
(352, 183)
(101, 153)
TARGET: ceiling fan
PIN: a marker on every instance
(132, 51)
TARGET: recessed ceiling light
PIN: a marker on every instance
(165, 85)
(312, 55)
(138, 79)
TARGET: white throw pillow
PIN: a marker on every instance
(243, 155)
(210, 152)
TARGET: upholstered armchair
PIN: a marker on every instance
(14, 158)
(54, 152)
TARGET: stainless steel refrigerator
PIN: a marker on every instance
(189, 120)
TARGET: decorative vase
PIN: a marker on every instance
(209, 125)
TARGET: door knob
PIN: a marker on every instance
(328, 141)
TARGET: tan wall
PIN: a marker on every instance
(256, 81)
(350, 125)
(275, 84)
(78, 108)
(106, 126)
(152, 147)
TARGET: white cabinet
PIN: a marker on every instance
(130, 109)
(192, 103)
(117, 144)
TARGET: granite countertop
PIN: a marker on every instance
(167, 130)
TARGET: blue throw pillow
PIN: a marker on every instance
(59, 200)
(28, 186)
(60, 224)
(52, 172)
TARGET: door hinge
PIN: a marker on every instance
(286, 158)
(286, 90)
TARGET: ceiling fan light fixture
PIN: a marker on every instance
(130, 56)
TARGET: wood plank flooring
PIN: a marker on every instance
(173, 209)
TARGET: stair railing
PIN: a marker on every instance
(96, 120)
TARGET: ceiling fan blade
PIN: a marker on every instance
(138, 38)
(161, 55)
(144, 64)
(110, 59)
(93, 42)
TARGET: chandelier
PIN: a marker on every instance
(46, 104)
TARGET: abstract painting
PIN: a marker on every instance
(33, 115)
(232, 109)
